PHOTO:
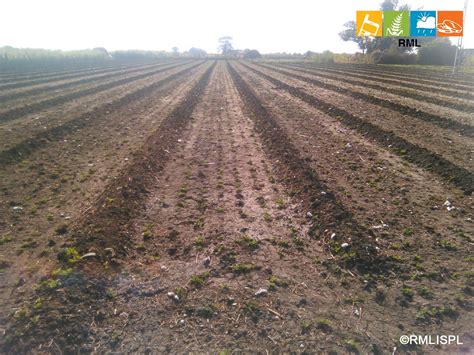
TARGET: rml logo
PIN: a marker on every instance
(408, 42)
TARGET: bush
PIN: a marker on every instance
(357, 58)
(392, 57)
(196, 53)
(469, 60)
(326, 57)
(252, 54)
(20, 58)
(438, 52)
(140, 55)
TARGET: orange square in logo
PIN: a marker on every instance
(450, 23)
(369, 23)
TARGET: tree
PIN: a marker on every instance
(388, 5)
(437, 52)
(197, 53)
(325, 57)
(101, 50)
(225, 45)
(252, 54)
(175, 51)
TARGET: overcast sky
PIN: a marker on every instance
(266, 25)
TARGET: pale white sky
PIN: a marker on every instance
(266, 25)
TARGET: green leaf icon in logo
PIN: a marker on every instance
(396, 23)
(395, 28)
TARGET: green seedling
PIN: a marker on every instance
(267, 217)
(183, 191)
(448, 245)
(224, 287)
(305, 326)
(20, 313)
(49, 284)
(147, 235)
(427, 315)
(179, 291)
(243, 268)
(248, 242)
(69, 255)
(111, 293)
(5, 239)
(280, 202)
(199, 280)
(425, 292)
(38, 304)
(199, 242)
(199, 223)
(62, 272)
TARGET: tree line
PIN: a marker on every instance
(11, 58)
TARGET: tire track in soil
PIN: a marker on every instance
(21, 150)
(445, 102)
(443, 122)
(465, 93)
(72, 84)
(44, 104)
(415, 154)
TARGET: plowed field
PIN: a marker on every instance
(232, 206)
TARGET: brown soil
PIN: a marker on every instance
(454, 99)
(67, 174)
(413, 83)
(412, 152)
(17, 112)
(22, 149)
(441, 119)
(460, 80)
(60, 83)
(228, 207)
